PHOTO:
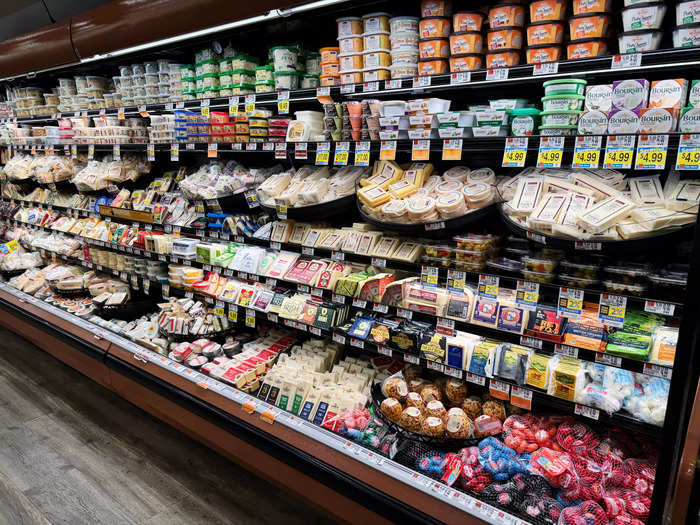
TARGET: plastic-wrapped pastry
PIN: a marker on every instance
(430, 393)
(458, 425)
(494, 409)
(433, 426)
(456, 391)
(413, 399)
(395, 387)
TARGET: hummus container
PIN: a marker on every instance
(565, 86)
(285, 58)
(559, 118)
(599, 98)
(466, 42)
(623, 121)
(351, 76)
(545, 33)
(504, 38)
(542, 54)
(507, 15)
(349, 25)
(405, 41)
(687, 35)
(547, 10)
(376, 58)
(404, 70)
(329, 80)
(638, 41)
(630, 94)
(264, 73)
(374, 41)
(524, 121)
(687, 12)
(671, 93)
(375, 22)
(594, 25)
(658, 120)
(350, 44)
(349, 61)
(689, 121)
(502, 58)
(400, 24)
(434, 48)
(326, 69)
(434, 27)
(591, 6)
(239, 76)
(466, 62)
(312, 63)
(330, 54)
(593, 123)
(432, 67)
(265, 86)
(562, 103)
(244, 62)
(557, 131)
(436, 8)
(643, 16)
(467, 21)
(374, 74)
(586, 48)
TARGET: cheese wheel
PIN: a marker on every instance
(431, 183)
(451, 205)
(395, 208)
(421, 207)
(485, 175)
(459, 173)
(448, 187)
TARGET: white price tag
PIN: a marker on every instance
(406, 314)
(545, 68)
(658, 370)
(454, 372)
(300, 152)
(421, 82)
(359, 303)
(476, 379)
(347, 88)
(570, 351)
(626, 61)
(445, 326)
(369, 87)
(607, 359)
(413, 359)
(499, 73)
(392, 84)
(432, 365)
(338, 338)
(656, 307)
(531, 342)
(384, 351)
(381, 308)
(588, 246)
(461, 77)
(583, 410)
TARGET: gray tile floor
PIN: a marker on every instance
(71, 452)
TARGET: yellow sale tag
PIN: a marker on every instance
(362, 158)
(340, 158)
(618, 157)
(233, 315)
(689, 159)
(219, 311)
(250, 108)
(205, 111)
(282, 106)
(587, 157)
(546, 157)
(322, 157)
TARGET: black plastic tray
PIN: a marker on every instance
(178, 338)
(659, 238)
(315, 212)
(126, 312)
(234, 203)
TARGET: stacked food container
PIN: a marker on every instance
(434, 30)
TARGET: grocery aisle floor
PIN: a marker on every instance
(71, 452)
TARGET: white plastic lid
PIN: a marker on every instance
(368, 51)
(371, 33)
(371, 15)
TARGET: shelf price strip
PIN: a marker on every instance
(688, 153)
(550, 153)
(586, 152)
(619, 152)
(515, 152)
(651, 152)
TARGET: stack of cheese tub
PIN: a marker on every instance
(545, 34)
(404, 46)
(349, 52)
(504, 39)
(434, 29)
(376, 54)
(330, 66)
(589, 28)
(467, 41)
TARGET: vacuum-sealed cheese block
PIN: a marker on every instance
(527, 196)
(646, 190)
(685, 197)
(548, 212)
(603, 215)
(402, 189)
(575, 206)
(373, 195)
(408, 251)
(385, 247)
(600, 189)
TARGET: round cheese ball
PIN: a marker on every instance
(433, 426)
(430, 393)
(456, 391)
(391, 408)
(416, 385)
(472, 407)
(435, 408)
(495, 409)
(395, 387)
(411, 419)
(458, 425)
(413, 399)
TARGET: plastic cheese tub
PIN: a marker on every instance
(349, 61)
(349, 25)
(688, 12)
(547, 10)
(545, 33)
(502, 58)
(434, 48)
(466, 62)
(565, 86)
(434, 27)
(376, 22)
(542, 54)
(504, 38)
(404, 41)
(400, 24)
(375, 74)
(380, 58)
(648, 15)
(330, 80)
(687, 35)
(524, 121)
(374, 41)
(507, 15)
(638, 41)
(591, 6)
(559, 118)
(326, 69)
(350, 44)
(467, 21)
(563, 103)
(586, 48)
(404, 58)
(285, 58)
(594, 25)
(432, 67)
(330, 54)
(404, 70)
(436, 8)
(466, 42)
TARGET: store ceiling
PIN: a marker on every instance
(21, 16)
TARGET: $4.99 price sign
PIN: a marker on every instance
(651, 152)
(515, 152)
(688, 153)
(619, 151)
(551, 152)
(587, 152)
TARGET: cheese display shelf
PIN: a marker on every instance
(360, 269)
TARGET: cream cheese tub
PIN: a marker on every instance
(400, 24)
(643, 16)
(689, 122)
(687, 35)
(557, 131)
(567, 86)
(688, 12)
(599, 98)
(563, 102)
(593, 123)
(559, 118)
(623, 121)
(639, 41)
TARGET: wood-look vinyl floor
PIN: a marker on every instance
(72, 452)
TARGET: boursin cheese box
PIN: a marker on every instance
(669, 93)
(658, 120)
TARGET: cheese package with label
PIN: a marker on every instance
(549, 211)
(373, 195)
(385, 247)
(605, 214)
(594, 184)
(646, 190)
(527, 196)
(385, 172)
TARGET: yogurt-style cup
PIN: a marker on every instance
(595, 25)
(504, 38)
(434, 27)
(435, 8)
(586, 48)
(466, 42)
(466, 62)
(434, 48)
(502, 58)
(507, 15)
(432, 67)
(591, 6)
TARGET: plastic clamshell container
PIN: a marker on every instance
(547, 10)
(538, 277)
(567, 86)
(542, 54)
(576, 282)
(582, 268)
(648, 15)
(504, 265)
(466, 62)
(540, 264)
(467, 21)
(541, 33)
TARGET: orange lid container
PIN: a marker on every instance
(547, 10)
(466, 42)
(545, 33)
(504, 38)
